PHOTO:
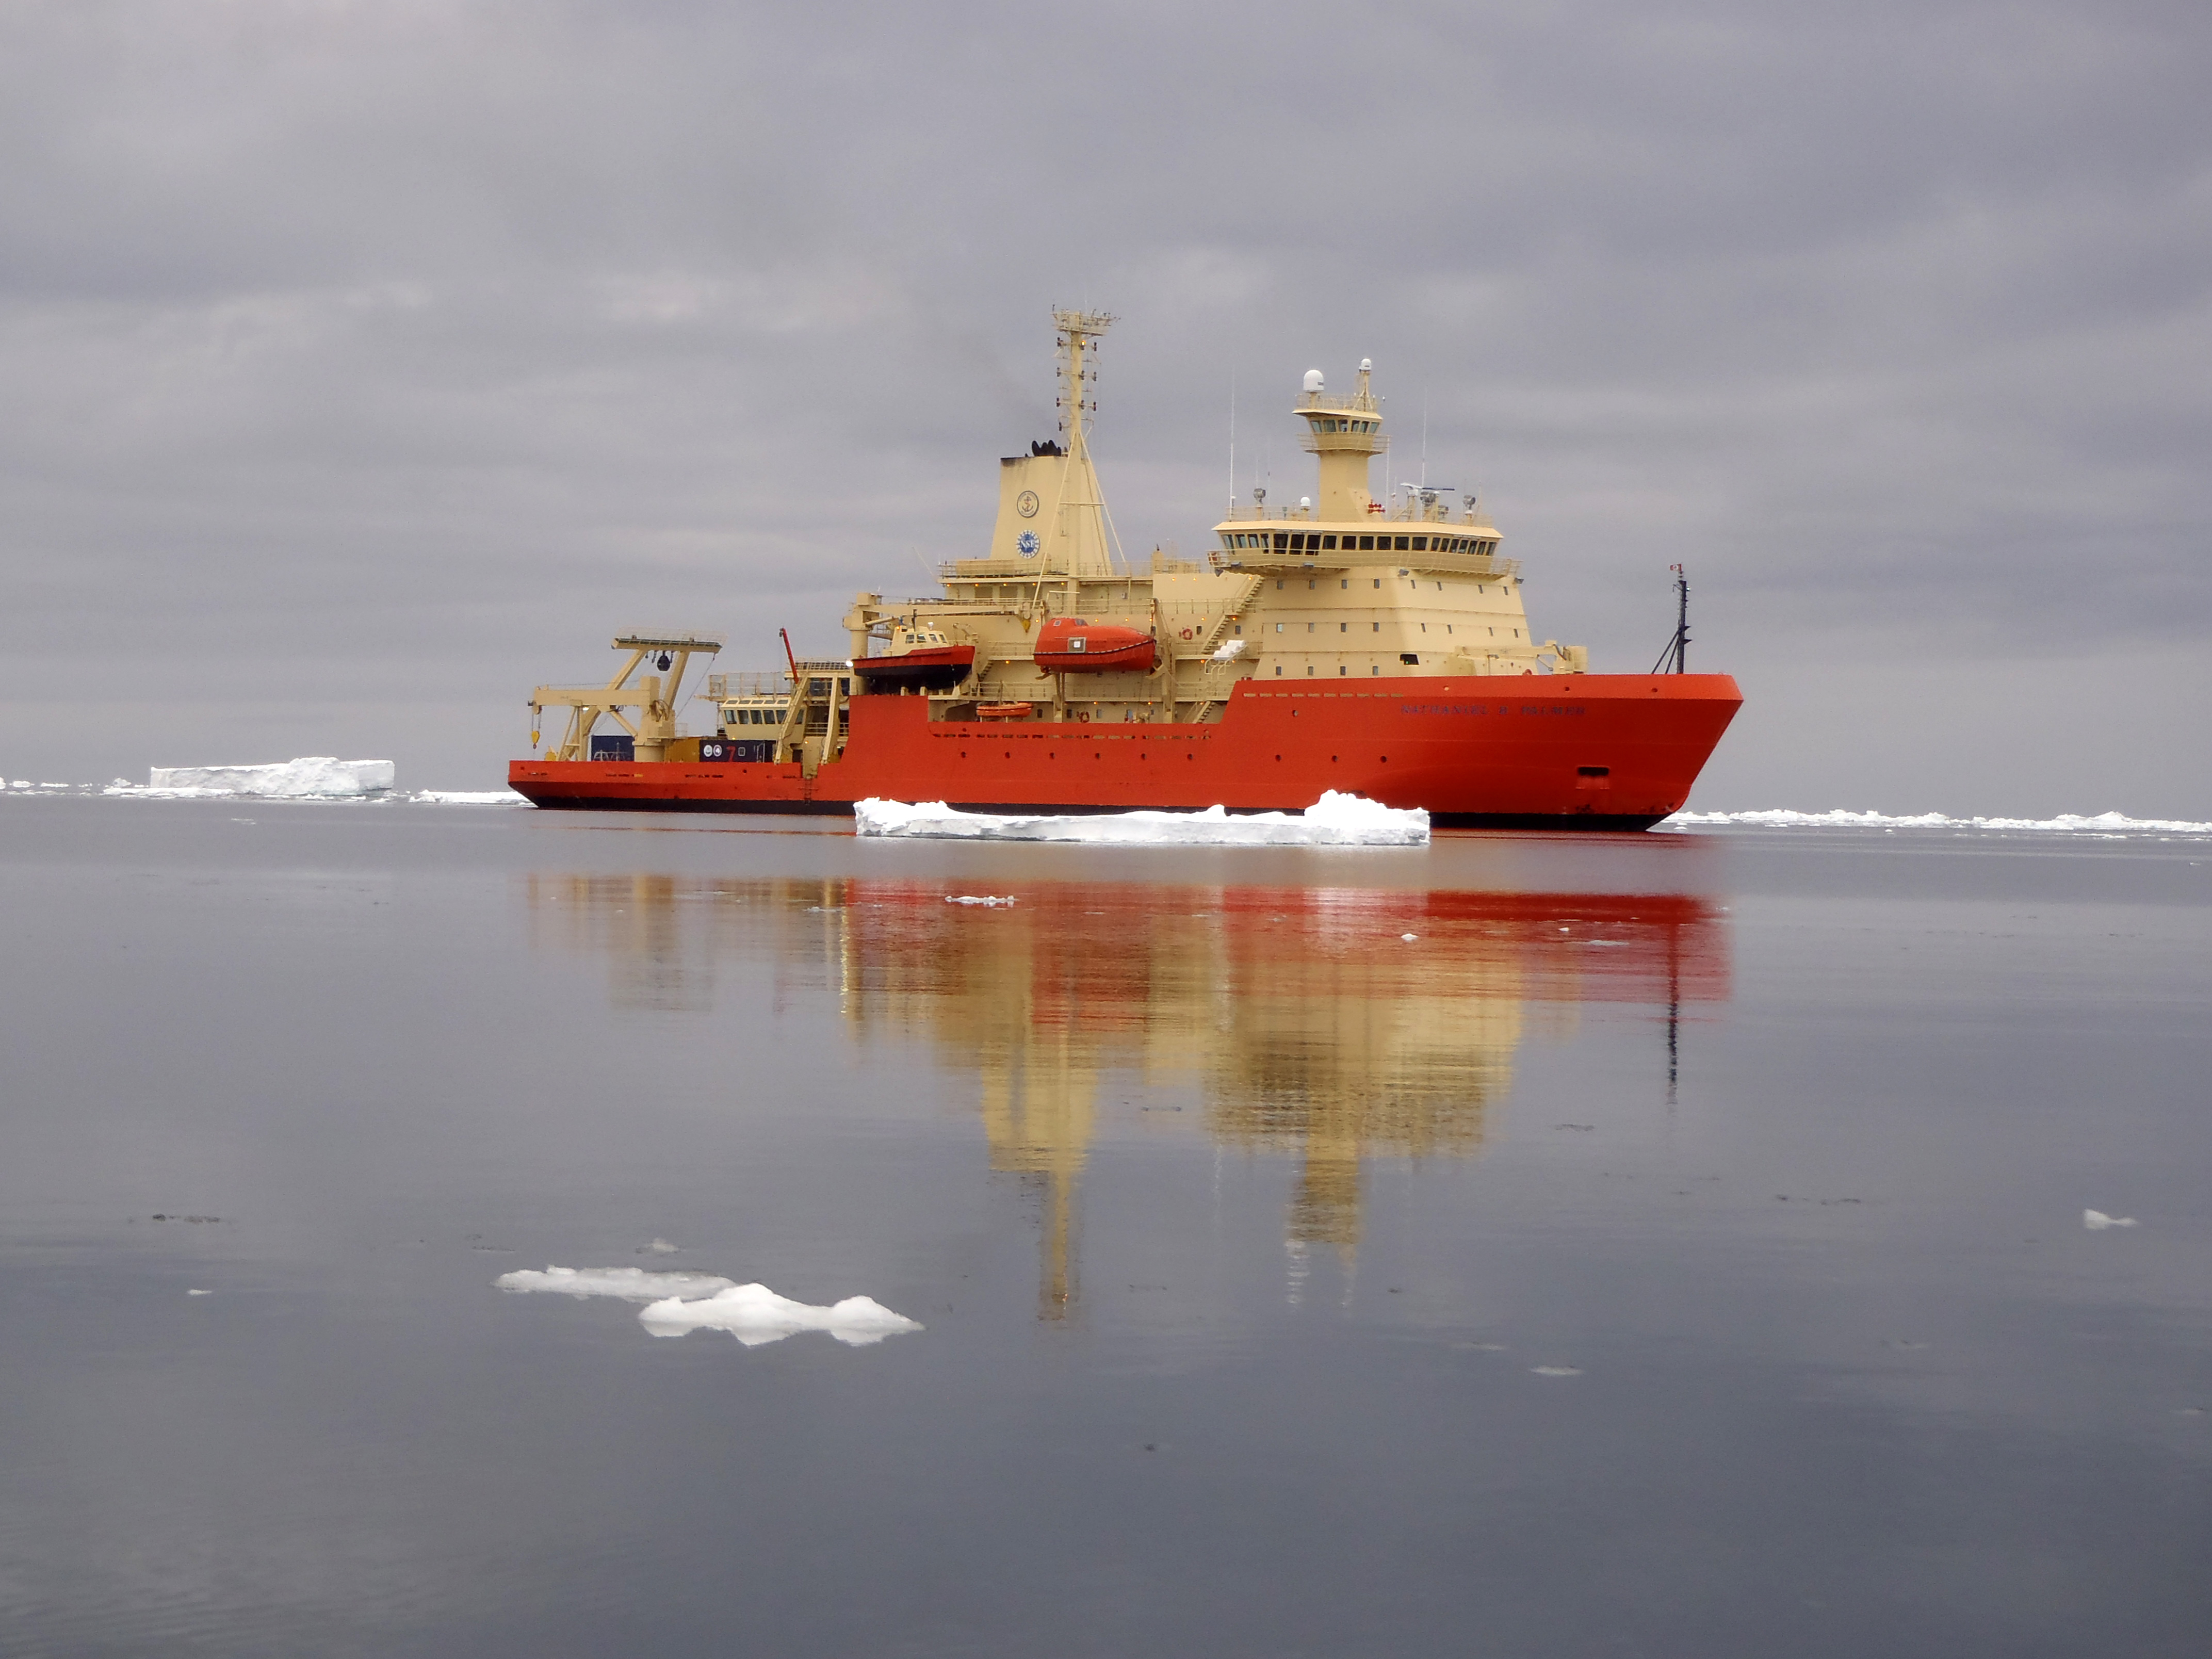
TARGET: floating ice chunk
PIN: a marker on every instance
(468, 798)
(631, 1283)
(2096, 1220)
(1555, 1370)
(2104, 823)
(661, 1247)
(754, 1314)
(199, 1292)
(313, 777)
(977, 898)
(1334, 820)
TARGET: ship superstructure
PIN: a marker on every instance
(1346, 613)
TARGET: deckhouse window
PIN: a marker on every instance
(1420, 543)
(1367, 544)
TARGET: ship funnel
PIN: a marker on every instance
(1314, 382)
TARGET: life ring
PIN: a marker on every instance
(1083, 717)
(1186, 632)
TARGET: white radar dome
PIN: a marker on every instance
(1312, 380)
(1366, 365)
(1305, 503)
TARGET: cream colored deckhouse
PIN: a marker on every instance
(1342, 586)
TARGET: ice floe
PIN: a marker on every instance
(630, 1283)
(1335, 820)
(311, 777)
(2096, 1220)
(754, 1314)
(2104, 823)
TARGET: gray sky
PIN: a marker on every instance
(362, 365)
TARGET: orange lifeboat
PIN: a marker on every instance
(1069, 644)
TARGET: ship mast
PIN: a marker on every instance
(1081, 528)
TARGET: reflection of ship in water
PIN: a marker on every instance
(1304, 1018)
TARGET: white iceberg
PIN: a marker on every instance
(2096, 1220)
(754, 1314)
(312, 777)
(1334, 820)
(630, 1283)
(2104, 823)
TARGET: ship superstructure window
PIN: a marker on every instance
(1399, 545)
(1420, 543)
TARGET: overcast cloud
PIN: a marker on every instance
(366, 364)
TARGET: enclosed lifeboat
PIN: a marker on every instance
(1069, 644)
(920, 659)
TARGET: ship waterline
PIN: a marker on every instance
(1378, 647)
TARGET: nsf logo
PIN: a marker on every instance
(1026, 543)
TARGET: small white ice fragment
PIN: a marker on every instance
(199, 1292)
(631, 1283)
(2096, 1220)
(977, 898)
(1555, 1370)
(754, 1314)
(661, 1247)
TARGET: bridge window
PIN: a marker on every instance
(1420, 543)
(1400, 545)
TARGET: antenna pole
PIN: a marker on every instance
(1682, 620)
(1677, 652)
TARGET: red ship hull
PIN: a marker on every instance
(1580, 752)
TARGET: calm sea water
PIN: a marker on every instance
(1676, 1246)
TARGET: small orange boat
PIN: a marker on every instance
(921, 659)
(1069, 644)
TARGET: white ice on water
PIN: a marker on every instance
(1335, 820)
(312, 777)
(2104, 823)
(631, 1283)
(754, 1314)
(2096, 1220)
